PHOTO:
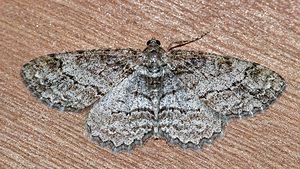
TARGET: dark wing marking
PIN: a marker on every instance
(230, 86)
(74, 80)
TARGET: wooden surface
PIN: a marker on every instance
(33, 135)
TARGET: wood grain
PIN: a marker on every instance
(35, 136)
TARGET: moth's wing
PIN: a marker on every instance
(123, 118)
(184, 118)
(74, 80)
(230, 86)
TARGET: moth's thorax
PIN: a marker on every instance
(153, 59)
(153, 64)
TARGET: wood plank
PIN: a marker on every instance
(33, 135)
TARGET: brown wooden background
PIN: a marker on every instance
(33, 135)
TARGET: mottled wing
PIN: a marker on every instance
(184, 118)
(74, 80)
(123, 118)
(230, 86)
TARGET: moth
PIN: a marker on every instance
(183, 96)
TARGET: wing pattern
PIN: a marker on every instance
(71, 81)
(185, 97)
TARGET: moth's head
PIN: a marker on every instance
(153, 46)
(153, 42)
